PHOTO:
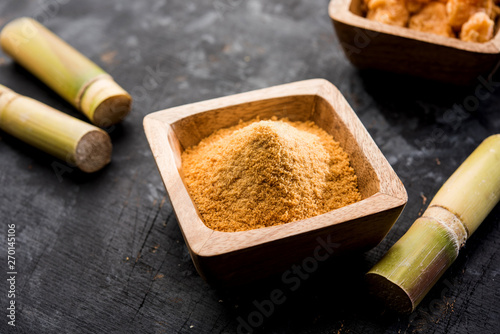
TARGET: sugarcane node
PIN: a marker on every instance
(450, 221)
(6, 97)
(424, 253)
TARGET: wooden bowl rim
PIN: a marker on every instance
(206, 242)
(339, 10)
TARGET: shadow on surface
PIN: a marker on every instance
(415, 97)
(327, 298)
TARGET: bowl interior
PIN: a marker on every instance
(355, 7)
(191, 130)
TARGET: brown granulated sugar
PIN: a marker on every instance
(267, 172)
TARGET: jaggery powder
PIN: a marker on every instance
(267, 172)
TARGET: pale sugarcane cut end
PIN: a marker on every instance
(93, 151)
(104, 102)
(391, 294)
(112, 111)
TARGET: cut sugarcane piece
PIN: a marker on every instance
(415, 263)
(69, 73)
(63, 136)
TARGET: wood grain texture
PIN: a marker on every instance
(76, 231)
(374, 45)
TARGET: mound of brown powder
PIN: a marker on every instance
(264, 173)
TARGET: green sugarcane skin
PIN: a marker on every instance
(474, 189)
(414, 264)
(417, 261)
(42, 126)
(48, 57)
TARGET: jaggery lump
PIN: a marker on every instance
(393, 12)
(432, 18)
(460, 11)
(479, 28)
(415, 6)
(265, 173)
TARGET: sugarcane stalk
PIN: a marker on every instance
(415, 263)
(67, 138)
(69, 73)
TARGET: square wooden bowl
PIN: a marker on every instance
(230, 258)
(374, 45)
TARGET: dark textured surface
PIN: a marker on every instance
(102, 253)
